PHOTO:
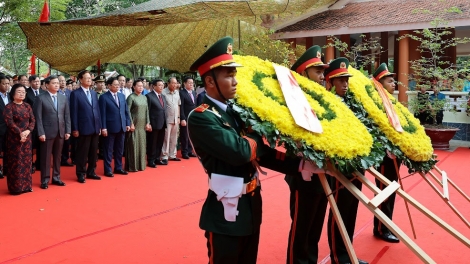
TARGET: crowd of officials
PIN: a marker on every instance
(68, 123)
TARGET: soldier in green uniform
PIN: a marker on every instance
(337, 77)
(100, 85)
(100, 89)
(387, 168)
(307, 198)
(231, 214)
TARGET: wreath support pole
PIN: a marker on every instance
(406, 202)
(452, 183)
(372, 205)
(338, 219)
(420, 208)
(445, 194)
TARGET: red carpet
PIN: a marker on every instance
(152, 217)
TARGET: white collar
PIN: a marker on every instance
(218, 103)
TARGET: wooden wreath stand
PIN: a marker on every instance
(382, 195)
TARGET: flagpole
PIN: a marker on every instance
(49, 18)
(49, 2)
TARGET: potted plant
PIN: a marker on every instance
(429, 109)
(433, 70)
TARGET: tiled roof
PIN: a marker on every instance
(374, 13)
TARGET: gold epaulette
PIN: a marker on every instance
(201, 108)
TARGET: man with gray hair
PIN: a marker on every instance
(172, 109)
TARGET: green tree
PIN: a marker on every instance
(14, 55)
(360, 54)
(86, 8)
(13, 52)
(433, 66)
(258, 43)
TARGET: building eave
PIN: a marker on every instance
(337, 5)
(360, 30)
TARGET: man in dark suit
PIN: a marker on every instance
(157, 114)
(115, 121)
(86, 127)
(31, 94)
(4, 85)
(64, 161)
(52, 114)
(188, 103)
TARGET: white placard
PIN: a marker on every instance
(298, 105)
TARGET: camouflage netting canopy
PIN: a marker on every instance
(167, 33)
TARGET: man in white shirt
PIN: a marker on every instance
(122, 86)
(172, 109)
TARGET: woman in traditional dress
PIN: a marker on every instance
(20, 122)
(140, 122)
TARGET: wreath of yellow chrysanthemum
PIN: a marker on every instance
(413, 141)
(344, 136)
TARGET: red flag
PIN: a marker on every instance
(32, 67)
(44, 17)
(98, 64)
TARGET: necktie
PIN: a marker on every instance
(160, 98)
(232, 114)
(116, 99)
(55, 101)
(192, 97)
(35, 93)
(88, 95)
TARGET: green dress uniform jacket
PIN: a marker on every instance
(218, 142)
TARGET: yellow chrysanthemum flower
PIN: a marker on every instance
(344, 136)
(413, 142)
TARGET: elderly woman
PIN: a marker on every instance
(140, 122)
(20, 122)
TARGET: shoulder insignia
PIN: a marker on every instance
(215, 111)
(201, 108)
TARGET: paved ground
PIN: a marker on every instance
(458, 143)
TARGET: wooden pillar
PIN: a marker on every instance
(292, 42)
(403, 66)
(293, 45)
(346, 39)
(369, 67)
(450, 52)
(308, 42)
(330, 51)
(384, 43)
(414, 51)
(396, 52)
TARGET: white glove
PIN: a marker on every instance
(306, 175)
(391, 155)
